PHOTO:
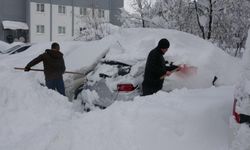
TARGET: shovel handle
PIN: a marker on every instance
(70, 72)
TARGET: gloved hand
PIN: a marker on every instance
(179, 68)
(27, 68)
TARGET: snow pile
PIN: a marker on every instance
(196, 118)
(240, 132)
(33, 117)
(184, 49)
(246, 59)
(3, 46)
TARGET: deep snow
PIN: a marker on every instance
(33, 117)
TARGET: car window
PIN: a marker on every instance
(12, 49)
(20, 49)
(115, 63)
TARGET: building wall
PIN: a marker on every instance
(51, 19)
(25, 11)
(79, 20)
(13, 10)
(39, 18)
(63, 20)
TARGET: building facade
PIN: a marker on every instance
(52, 20)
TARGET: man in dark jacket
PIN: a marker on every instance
(54, 67)
(156, 70)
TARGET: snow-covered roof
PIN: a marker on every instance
(15, 25)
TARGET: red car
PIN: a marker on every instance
(240, 120)
(241, 106)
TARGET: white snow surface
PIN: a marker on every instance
(4, 46)
(33, 117)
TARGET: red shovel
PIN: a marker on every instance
(186, 71)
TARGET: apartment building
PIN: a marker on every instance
(52, 20)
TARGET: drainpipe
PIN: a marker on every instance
(51, 20)
(4, 38)
(73, 17)
(93, 11)
(109, 10)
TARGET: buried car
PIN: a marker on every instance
(111, 81)
(119, 75)
(240, 119)
(114, 81)
(16, 49)
(241, 105)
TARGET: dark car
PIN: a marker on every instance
(17, 49)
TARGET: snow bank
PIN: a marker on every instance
(4, 46)
(33, 117)
(135, 44)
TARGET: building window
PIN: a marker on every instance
(61, 9)
(83, 11)
(101, 13)
(61, 30)
(40, 7)
(40, 29)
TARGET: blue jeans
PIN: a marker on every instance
(56, 84)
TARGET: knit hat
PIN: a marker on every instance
(163, 43)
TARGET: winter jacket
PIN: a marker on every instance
(154, 70)
(53, 63)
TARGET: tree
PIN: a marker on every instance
(232, 24)
(224, 22)
(92, 27)
(141, 16)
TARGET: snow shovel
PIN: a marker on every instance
(186, 71)
(70, 72)
(183, 71)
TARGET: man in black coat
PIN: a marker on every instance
(156, 70)
(54, 67)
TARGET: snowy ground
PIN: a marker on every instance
(33, 117)
(198, 119)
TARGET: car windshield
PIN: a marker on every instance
(113, 62)
(12, 49)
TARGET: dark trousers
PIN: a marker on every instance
(149, 90)
(56, 84)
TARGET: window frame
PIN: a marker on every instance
(40, 7)
(40, 29)
(83, 11)
(61, 9)
(61, 30)
(101, 13)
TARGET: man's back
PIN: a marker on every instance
(155, 68)
(54, 67)
(53, 63)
